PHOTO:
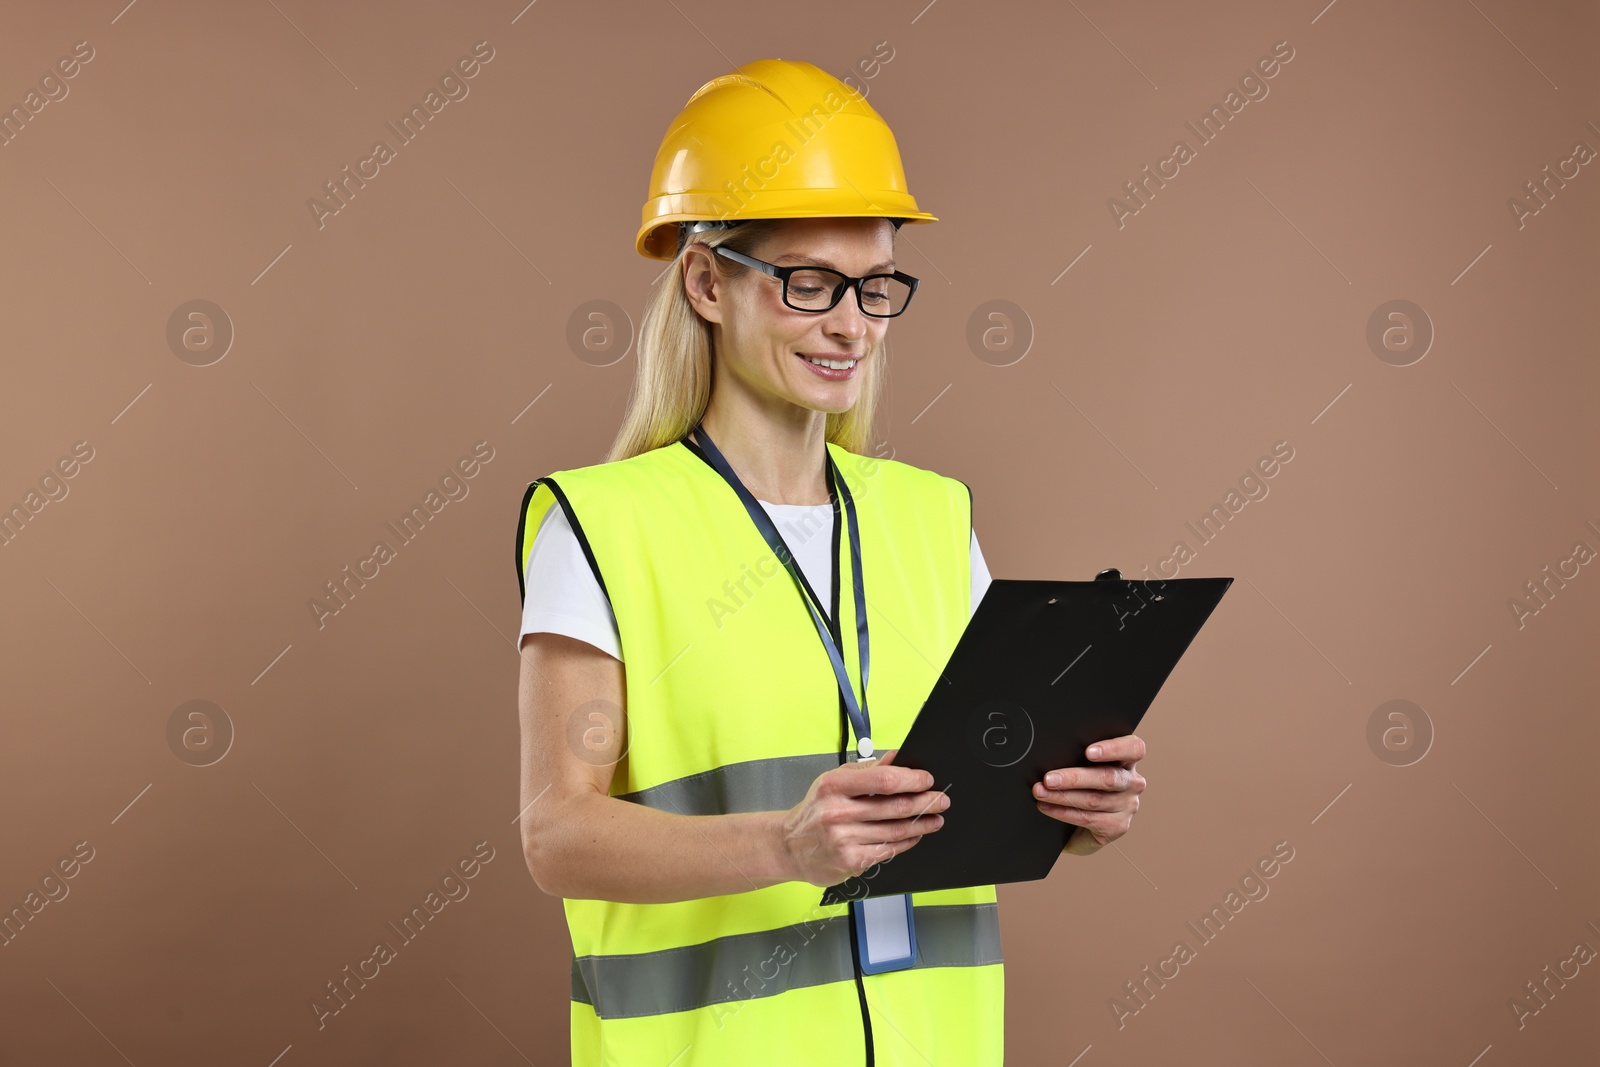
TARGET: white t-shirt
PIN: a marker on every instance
(563, 596)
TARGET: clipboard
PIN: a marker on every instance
(1043, 670)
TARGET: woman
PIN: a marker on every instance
(689, 806)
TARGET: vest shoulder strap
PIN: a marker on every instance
(601, 487)
(642, 485)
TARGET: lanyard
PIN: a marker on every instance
(858, 716)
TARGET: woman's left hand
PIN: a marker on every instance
(1099, 800)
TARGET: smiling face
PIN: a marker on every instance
(761, 344)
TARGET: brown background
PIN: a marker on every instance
(370, 355)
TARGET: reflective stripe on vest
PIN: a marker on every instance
(737, 967)
(732, 706)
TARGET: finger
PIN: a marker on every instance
(1088, 799)
(881, 758)
(877, 778)
(1092, 820)
(1109, 779)
(886, 807)
(892, 830)
(1127, 747)
(877, 851)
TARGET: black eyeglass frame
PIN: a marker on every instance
(846, 282)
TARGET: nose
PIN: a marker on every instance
(845, 320)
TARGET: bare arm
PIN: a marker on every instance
(583, 844)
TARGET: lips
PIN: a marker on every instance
(832, 374)
(837, 357)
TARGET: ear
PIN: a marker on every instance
(701, 283)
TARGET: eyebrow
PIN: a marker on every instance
(876, 268)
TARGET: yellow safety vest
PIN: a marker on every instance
(732, 706)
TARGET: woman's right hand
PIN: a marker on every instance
(857, 815)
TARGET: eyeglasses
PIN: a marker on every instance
(818, 289)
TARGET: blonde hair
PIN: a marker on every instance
(672, 381)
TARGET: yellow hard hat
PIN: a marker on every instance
(776, 139)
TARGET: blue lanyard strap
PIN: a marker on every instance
(836, 489)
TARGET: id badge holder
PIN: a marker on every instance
(886, 936)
